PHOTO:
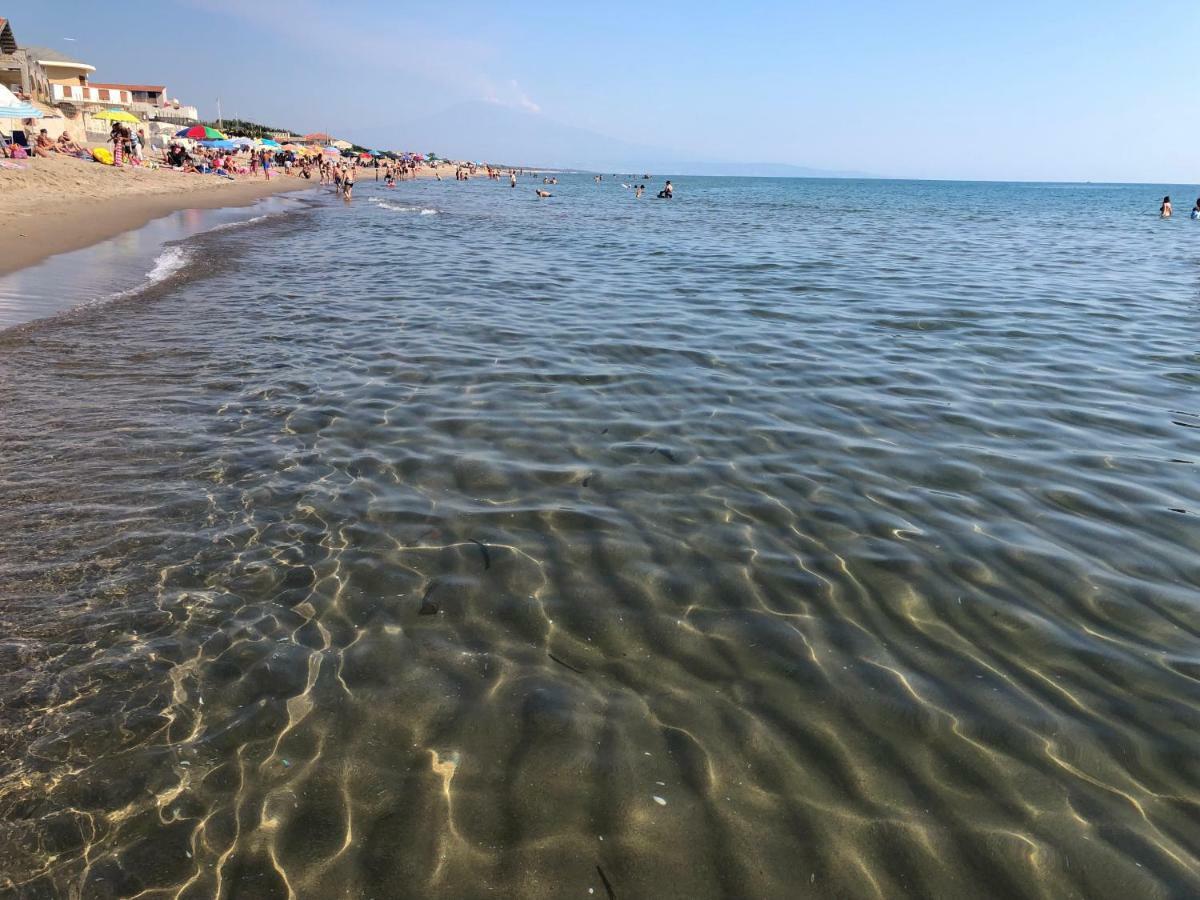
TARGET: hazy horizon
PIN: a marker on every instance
(1082, 92)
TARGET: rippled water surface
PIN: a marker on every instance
(788, 539)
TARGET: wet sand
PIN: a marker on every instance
(62, 204)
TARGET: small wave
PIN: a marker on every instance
(383, 204)
(228, 225)
(167, 263)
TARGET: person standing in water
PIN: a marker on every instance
(348, 183)
(1165, 210)
(1196, 209)
(512, 179)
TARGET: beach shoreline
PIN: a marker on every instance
(62, 204)
(47, 217)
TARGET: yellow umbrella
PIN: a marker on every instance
(116, 115)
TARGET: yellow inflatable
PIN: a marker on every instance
(103, 155)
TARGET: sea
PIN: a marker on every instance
(789, 538)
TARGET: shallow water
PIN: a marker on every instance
(793, 538)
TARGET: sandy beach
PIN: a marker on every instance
(61, 204)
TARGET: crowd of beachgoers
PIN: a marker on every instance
(229, 158)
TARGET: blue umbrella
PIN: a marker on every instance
(376, 153)
(267, 142)
(221, 145)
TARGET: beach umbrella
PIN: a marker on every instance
(221, 145)
(200, 133)
(274, 145)
(332, 151)
(374, 153)
(12, 108)
(116, 115)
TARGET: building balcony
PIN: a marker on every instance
(82, 93)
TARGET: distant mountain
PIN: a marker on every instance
(506, 136)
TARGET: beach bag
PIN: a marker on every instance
(103, 155)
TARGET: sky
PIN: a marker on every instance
(1056, 90)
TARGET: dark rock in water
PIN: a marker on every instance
(428, 606)
(668, 454)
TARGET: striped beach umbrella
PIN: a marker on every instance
(200, 133)
(12, 108)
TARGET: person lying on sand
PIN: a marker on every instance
(66, 145)
(542, 194)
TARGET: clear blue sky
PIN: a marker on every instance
(1055, 89)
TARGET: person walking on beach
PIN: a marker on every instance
(1164, 211)
(266, 165)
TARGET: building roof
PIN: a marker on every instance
(149, 88)
(8, 43)
(50, 57)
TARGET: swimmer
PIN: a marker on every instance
(1196, 209)
(667, 193)
(542, 194)
(1165, 210)
(637, 194)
